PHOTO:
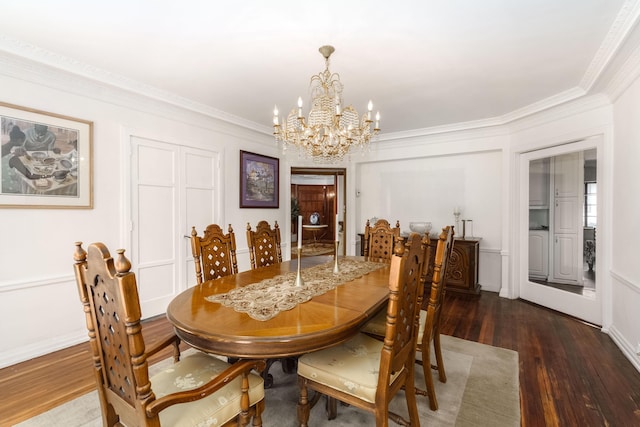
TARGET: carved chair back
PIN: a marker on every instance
(379, 240)
(405, 300)
(214, 254)
(264, 245)
(109, 295)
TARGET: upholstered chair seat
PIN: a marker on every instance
(351, 367)
(214, 410)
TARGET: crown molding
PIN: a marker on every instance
(624, 23)
(39, 64)
(567, 109)
(529, 110)
(627, 74)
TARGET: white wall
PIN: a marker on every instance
(423, 179)
(625, 268)
(39, 306)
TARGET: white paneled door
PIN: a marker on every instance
(172, 188)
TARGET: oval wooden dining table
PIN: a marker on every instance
(321, 322)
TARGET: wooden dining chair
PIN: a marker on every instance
(429, 331)
(265, 250)
(366, 372)
(214, 254)
(379, 240)
(430, 317)
(264, 245)
(198, 390)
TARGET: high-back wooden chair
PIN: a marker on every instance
(264, 244)
(429, 331)
(366, 372)
(430, 317)
(380, 240)
(193, 391)
(214, 254)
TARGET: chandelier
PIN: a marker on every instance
(330, 131)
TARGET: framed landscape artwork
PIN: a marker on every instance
(46, 160)
(259, 181)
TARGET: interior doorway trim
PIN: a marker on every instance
(589, 309)
(340, 189)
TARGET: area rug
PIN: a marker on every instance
(482, 389)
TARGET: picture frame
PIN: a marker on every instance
(259, 181)
(46, 159)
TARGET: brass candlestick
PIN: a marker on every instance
(299, 281)
(335, 259)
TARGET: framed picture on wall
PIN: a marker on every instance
(46, 159)
(259, 181)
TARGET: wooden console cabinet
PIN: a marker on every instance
(462, 269)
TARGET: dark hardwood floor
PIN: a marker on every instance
(571, 374)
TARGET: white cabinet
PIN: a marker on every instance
(565, 258)
(539, 254)
(566, 215)
(568, 173)
(539, 183)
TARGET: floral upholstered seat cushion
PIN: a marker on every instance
(351, 367)
(214, 410)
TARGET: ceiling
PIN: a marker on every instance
(424, 63)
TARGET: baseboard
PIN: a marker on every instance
(22, 354)
(625, 346)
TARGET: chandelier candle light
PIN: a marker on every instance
(330, 131)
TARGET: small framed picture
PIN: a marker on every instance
(46, 160)
(259, 181)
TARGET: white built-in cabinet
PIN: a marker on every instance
(539, 183)
(568, 175)
(539, 254)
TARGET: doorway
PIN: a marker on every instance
(559, 217)
(318, 195)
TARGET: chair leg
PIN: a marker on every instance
(412, 404)
(303, 403)
(428, 378)
(266, 376)
(439, 362)
(331, 408)
(257, 418)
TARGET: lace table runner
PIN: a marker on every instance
(265, 299)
